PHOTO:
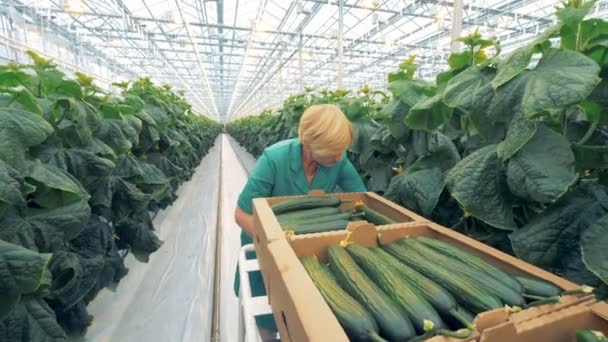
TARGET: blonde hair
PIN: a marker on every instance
(325, 129)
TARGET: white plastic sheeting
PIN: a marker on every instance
(169, 298)
(234, 177)
(247, 160)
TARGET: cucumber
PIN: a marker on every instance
(437, 296)
(393, 323)
(465, 292)
(485, 281)
(537, 287)
(373, 216)
(310, 202)
(313, 220)
(590, 336)
(402, 293)
(473, 261)
(308, 213)
(318, 227)
(358, 324)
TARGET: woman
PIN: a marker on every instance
(314, 160)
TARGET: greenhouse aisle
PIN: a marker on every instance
(234, 177)
(170, 297)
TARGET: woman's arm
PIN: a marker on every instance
(260, 184)
(244, 220)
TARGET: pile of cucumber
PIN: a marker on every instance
(590, 336)
(321, 214)
(416, 288)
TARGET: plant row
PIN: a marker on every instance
(511, 149)
(82, 172)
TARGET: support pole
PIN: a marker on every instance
(300, 67)
(340, 43)
(456, 24)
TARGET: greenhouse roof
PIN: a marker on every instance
(237, 57)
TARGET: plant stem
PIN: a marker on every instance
(589, 132)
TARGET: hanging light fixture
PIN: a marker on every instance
(73, 6)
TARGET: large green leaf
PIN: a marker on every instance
(75, 275)
(410, 92)
(13, 187)
(519, 134)
(428, 114)
(478, 183)
(418, 191)
(54, 187)
(136, 232)
(22, 272)
(571, 18)
(69, 88)
(396, 110)
(11, 76)
(519, 59)
(543, 170)
(461, 91)
(82, 164)
(116, 134)
(562, 78)
(20, 130)
(115, 198)
(44, 230)
(551, 240)
(593, 248)
(31, 321)
(364, 131)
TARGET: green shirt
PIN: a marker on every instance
(279, 172)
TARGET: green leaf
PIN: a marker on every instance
(459, 60)
(82, 164)
(44, 230)
(590, 157)
(115, 198)
(518, 60)
(396, 111)
(76, 277)
(593, 248)
(519, 134)
(421, 184)
(69, 88)
(592, 110)
(418, 191)
(110, 110)
(461, 91)
(551, 240)
(410, 92)
(428, 114)
(561, 79)
(22, 272)
(364, 131)
(116, 134)
(12, 187)
(54, 187)
(478, 183)
(543, 170)
(12, 77)
(25, 98)
(572, 16)
(32, 320)
(20, 130)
